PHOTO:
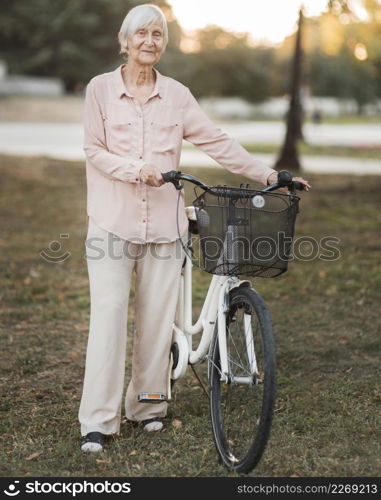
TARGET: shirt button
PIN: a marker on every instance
(143, 199)
(144, 220)
(140, 157)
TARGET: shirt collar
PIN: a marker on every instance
(121, 88)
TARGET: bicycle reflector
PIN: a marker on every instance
(151, 397)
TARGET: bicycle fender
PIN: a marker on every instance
(240, 284)
(180, 339)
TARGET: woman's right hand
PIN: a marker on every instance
(151, 176)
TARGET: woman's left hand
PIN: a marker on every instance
(273, 178)
(305, 183)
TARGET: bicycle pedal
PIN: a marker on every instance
(151, 397)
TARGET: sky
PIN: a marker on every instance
(265, 20)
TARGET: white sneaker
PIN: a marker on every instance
(93, 442)
(153, 424)
(91, 447)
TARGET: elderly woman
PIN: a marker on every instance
(135, 121)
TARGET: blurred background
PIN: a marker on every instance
(290, 64)
(222, 49)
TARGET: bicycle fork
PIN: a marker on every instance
(223, 308)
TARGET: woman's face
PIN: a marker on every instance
(146, 45)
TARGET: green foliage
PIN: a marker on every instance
(342, 76)
(226, 65)
(70, 39)
(77, 39)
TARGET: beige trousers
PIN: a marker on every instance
(111, 262)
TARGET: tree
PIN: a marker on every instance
(289, 157)
(69, 39)
(226, 65)
(352, 70)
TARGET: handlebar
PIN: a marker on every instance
(175, 176)
(284, 180)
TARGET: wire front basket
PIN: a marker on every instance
(245, 232)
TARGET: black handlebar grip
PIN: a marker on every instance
(284, 178)
(166, 176)
(173, 176)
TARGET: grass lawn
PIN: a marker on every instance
(325, 315)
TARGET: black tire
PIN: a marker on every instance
(241, 412)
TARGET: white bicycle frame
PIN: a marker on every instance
(214, 308)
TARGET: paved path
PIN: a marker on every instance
(313, 164)
(65, 141)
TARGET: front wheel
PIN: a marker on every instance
(242, 407)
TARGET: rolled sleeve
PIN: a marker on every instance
(111, 165)
(203, 133)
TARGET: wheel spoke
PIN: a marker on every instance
(230, 341)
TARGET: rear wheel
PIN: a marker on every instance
(242, 408)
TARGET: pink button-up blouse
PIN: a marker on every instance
(121, 136)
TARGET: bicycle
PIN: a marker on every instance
(237, 338)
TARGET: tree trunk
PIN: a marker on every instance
(289, 156)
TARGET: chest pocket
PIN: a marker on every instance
(166, 131)
(120, 124)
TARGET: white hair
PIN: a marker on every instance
(139, 17)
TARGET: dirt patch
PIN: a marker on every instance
(65, 109)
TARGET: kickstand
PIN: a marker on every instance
(200, 382)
